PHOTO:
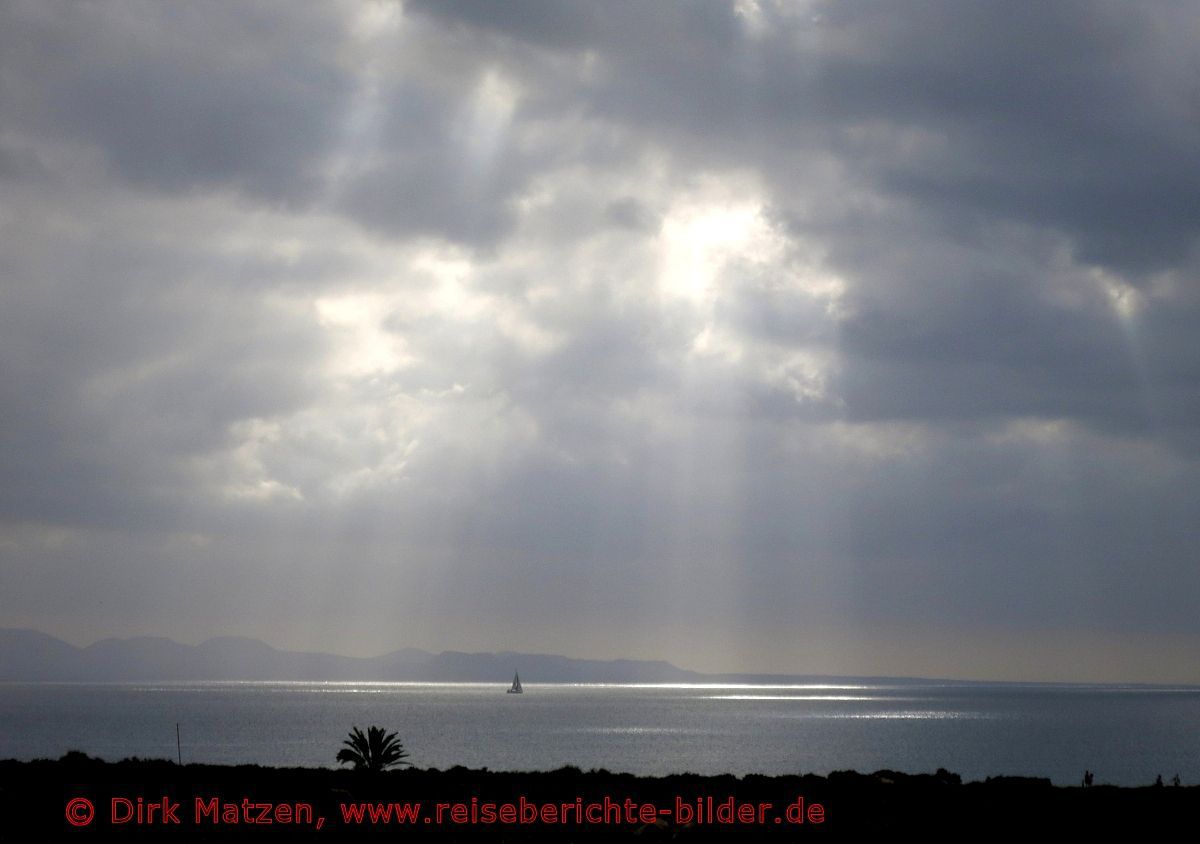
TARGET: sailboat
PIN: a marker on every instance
(516, 689)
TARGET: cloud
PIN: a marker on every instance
(180, 98)
(723, 323)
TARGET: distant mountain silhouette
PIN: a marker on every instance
(28, 655)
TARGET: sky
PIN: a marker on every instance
(806, 337)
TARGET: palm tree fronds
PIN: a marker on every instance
(377, 750)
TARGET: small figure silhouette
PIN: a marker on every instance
(1088, 779)
(1175, 780)
(1158, 782)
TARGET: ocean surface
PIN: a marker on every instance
(1127, 735)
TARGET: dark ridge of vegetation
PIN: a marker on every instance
(34, 796)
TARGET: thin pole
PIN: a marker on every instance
(178, 747)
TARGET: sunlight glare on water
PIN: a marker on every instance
(1128, 735)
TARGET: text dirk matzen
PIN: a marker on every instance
(210, 810)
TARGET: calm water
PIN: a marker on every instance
(1126, 735)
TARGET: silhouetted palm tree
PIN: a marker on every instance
(375, 751)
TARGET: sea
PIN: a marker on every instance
(1127, 735)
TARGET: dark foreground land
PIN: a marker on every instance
(85, 800)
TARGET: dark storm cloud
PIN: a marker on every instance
(625, 27)
(755, 317)
(1080, 116)
(1073, 115)
(108, 396)
(178, 97)
(418, 181)
(631, 214)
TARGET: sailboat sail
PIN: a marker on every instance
(516, 689)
